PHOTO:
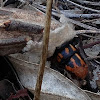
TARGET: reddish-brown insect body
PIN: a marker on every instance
(73, 61)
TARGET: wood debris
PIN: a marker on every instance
(22, 26)
(84, 21)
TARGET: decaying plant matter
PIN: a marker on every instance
(85, 16)
(78, 19)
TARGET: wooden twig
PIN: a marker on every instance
(97, 61)
(44, 50)
(91, 44)
(90, 20)
(69, 15)
(83, 25)
(1, 3)
(87, 31)
(15, 25)
(71, 20)
(43, 9)
(81, 15)
(89, 36)
(82, 7)
(10, 41)
(91, 58)
(92, 3)
(87, 2)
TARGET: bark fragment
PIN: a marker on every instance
(14, 25)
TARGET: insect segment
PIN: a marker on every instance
(66, 53)
(73, 61)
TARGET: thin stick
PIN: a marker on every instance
(44, 50)
(69, 15)
(70, 20)
(91, 58)
(82, 24)
(87, 2)
(80, 6)
(1, 3)
(15, 25)
(90, 45)
(87, 31)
